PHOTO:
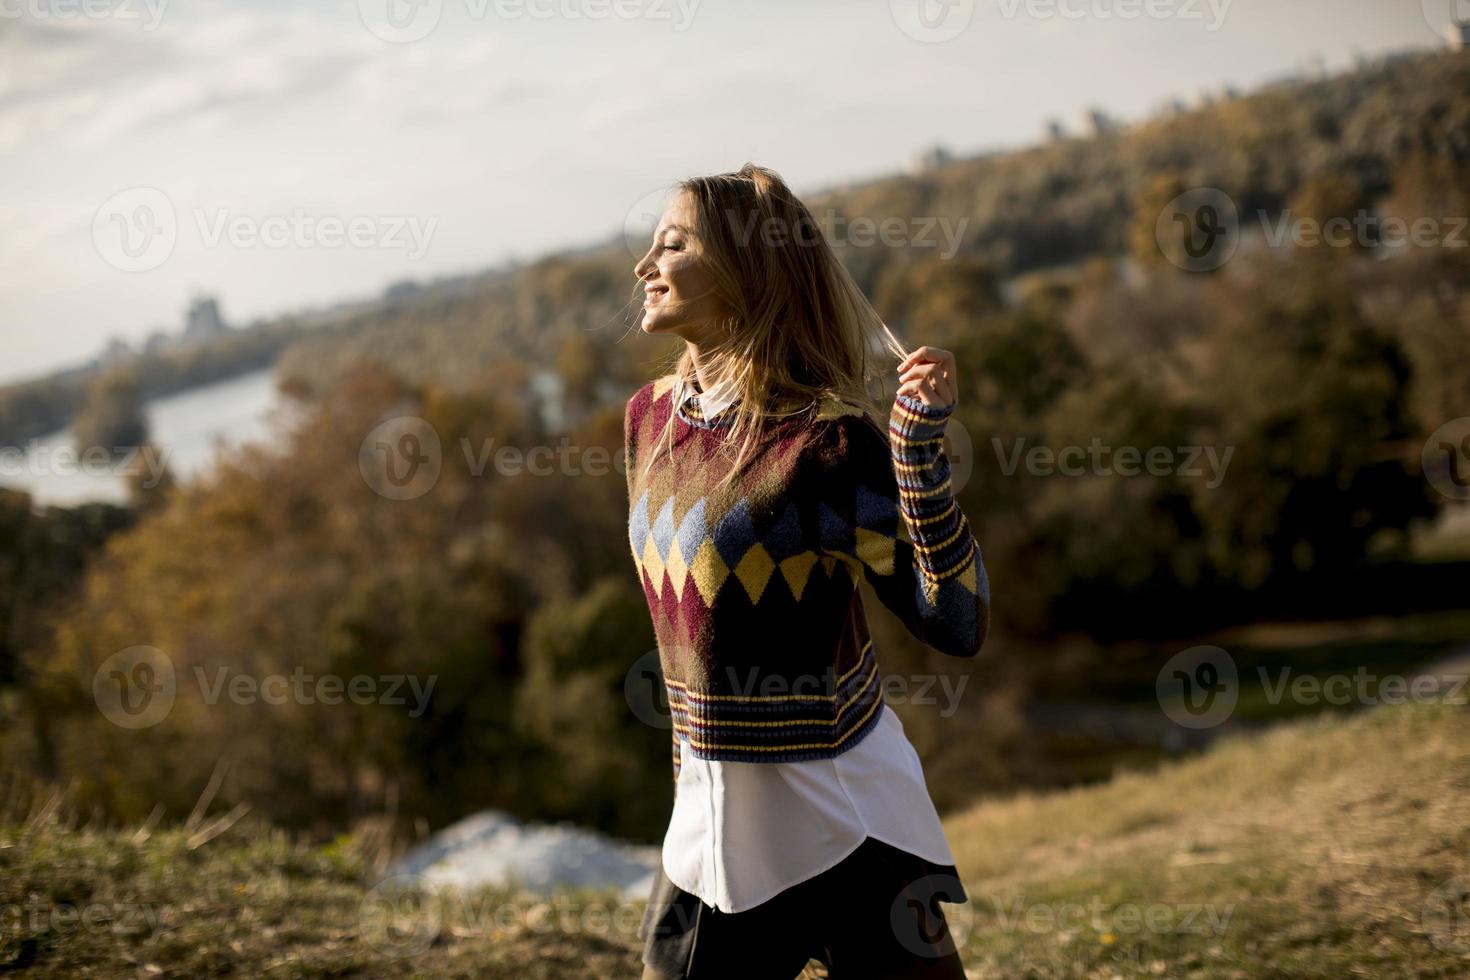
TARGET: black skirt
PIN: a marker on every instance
(878, 907)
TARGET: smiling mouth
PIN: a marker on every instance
(654, 294)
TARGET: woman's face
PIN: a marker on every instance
(678, 290)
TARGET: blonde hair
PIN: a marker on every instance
(799, 329)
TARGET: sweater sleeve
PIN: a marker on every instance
(865, 484)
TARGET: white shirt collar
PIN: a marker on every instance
(713, 401)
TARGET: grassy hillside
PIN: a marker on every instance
(1328, 848)
(249, 903)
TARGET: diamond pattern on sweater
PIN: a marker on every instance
(735, 549)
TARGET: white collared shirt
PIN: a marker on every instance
(742, 832)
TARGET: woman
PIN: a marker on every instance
(761, 490)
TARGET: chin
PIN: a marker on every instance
(656, 324)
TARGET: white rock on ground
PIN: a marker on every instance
(494, 848)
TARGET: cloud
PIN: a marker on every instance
(87, 82)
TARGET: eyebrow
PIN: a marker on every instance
(669, 228)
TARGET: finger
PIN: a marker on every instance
(916, 356)
(915, 393)
(943, 371)
(917, 389)
(928, 383)
(920, 371)
(919, 355)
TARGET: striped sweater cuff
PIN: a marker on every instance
(916, 436)
(943, 543)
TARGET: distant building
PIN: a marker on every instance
(1099, 123)
(116, 351)
(1172, 108)
(203, 321)
(931, 160)
(401, 292)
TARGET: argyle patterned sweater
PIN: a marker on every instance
(762, 639)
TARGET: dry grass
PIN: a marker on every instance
(1317, 848)
(1327, 848)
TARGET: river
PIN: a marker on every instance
(189, 428)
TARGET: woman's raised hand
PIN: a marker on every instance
(928, 374)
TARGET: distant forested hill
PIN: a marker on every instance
(1381, 128)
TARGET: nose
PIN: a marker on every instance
(646, 268)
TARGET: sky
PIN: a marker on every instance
(283, 156)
